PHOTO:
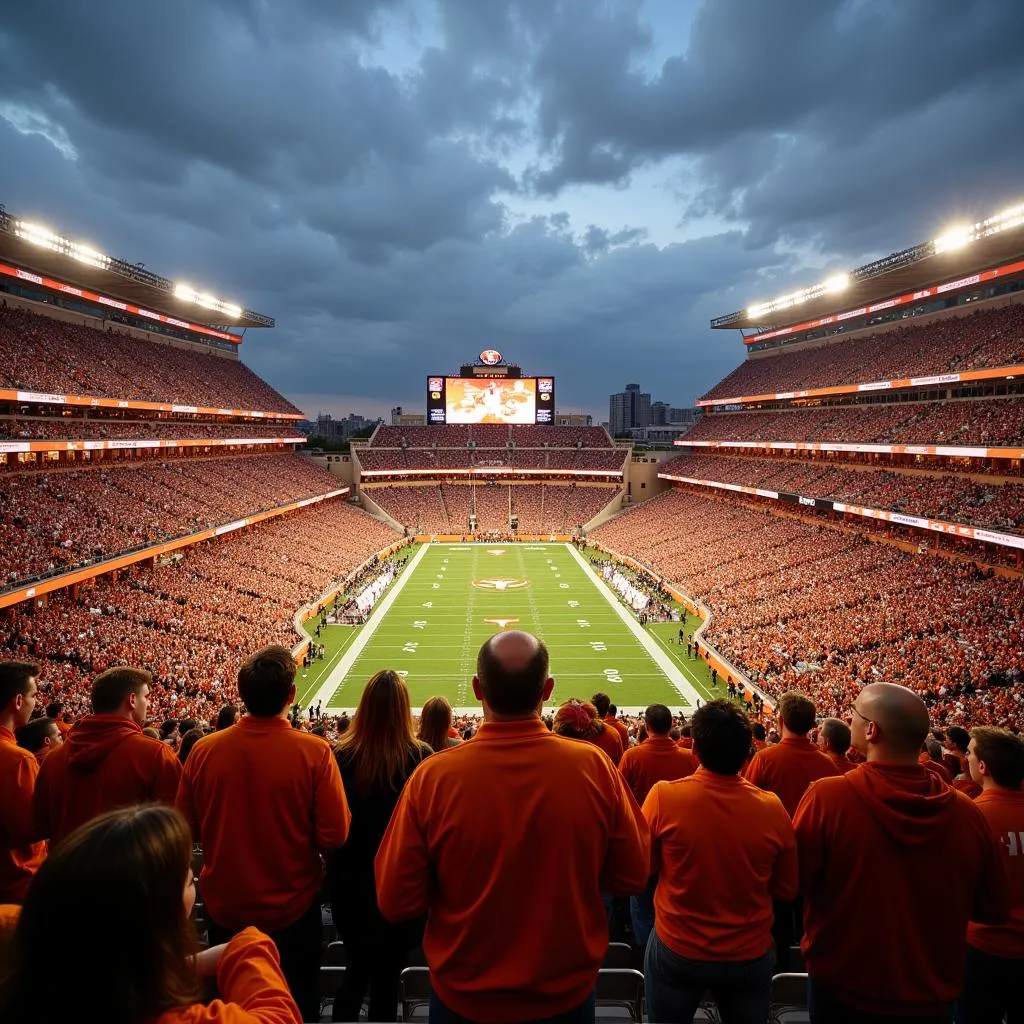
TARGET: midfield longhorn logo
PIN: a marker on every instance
(502, 584)
(502, 623)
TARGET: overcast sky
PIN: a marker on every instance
(580, 184)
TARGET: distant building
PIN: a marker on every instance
(684, 417)
(659, 414)
(573, 419)
(628, 409)
(341, 429)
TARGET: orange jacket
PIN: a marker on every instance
(508, 843)
(788, 768)
(842, 763)
(250, 980)
(19, 856)
(105, 763)
(722, 850)
(608, 740)
(657, 759)
(885, 836)
(1004, 811)
(265, 800)
(620, 728)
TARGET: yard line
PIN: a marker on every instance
(658, 656)
(337, 676)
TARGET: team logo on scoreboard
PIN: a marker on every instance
(545, 385)
(502, 623)
(435, 384)
(502, 584)
(490, 357)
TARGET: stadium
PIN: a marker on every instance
(849, 509)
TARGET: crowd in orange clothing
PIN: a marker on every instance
(191, 621)
(23, 428)
(796, 605)
(984, 421)
(958, 499)
(490, 435)
(985, 337)
(56, 521)
(54, 357)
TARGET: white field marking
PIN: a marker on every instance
(658, 656)
(337, 676)
(672, 655)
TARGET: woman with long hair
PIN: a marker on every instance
(376, 754)
(436, 725)
(578, 720)
(125, 951)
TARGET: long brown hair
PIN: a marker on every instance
(435, 721)
(105, 917)
(380, 740)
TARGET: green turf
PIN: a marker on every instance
(437, 622)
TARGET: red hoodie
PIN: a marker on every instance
(875, 848)
(105, 763)
(1004, 811)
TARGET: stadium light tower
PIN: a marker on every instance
(955, 238)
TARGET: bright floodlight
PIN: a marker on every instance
(954, 238)
(837, 283)
(184, 291)
(232, 310)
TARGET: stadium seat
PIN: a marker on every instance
(789, 998)
(414, 991)
(618, 955)
(334, 955)
(621, 988)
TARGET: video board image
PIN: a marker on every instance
(475, 400)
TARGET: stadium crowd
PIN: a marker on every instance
(803, 606)
(982, 338)
(396, 460)
(446, 508)
(730, 845)
(189, 621)
(33, 428)
(955, 498)
(490, 435)
(54, 357)
(978, 422)
(58, 521)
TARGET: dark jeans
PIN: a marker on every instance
(993, 986)
(826, 1009)
(299, 945)
(674, 986)
(641, 913)
(787, 930)
(373, 963)
(582, 1014)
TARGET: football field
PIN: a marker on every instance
(451, 597)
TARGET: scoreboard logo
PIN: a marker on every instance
(490, 357)
(435, 384)
(545, 385)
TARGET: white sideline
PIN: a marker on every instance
(338, 673)
(658, 656)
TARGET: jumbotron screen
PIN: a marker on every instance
(490, 400)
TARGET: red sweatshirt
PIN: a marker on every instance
(105, 763)
(264, 800)
(253, 988)
(1004, 811)
(875, 849)
(19, 856)
(788, 768)
(608, 740)
(509, 842)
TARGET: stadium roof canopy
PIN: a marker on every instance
(36, 248)
(959, 253)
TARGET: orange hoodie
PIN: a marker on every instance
(1004, 811)
(608, 740)
(875, 848)
(508, 843)
(842, 763)
(723, 850)
(657, 759)
(19, 856)
(788, 768)
(250, 980)
(105, 763)
(265, 800)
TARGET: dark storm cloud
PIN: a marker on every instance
(356, 169)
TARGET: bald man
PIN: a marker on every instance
(507, 843)
(875, 847)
